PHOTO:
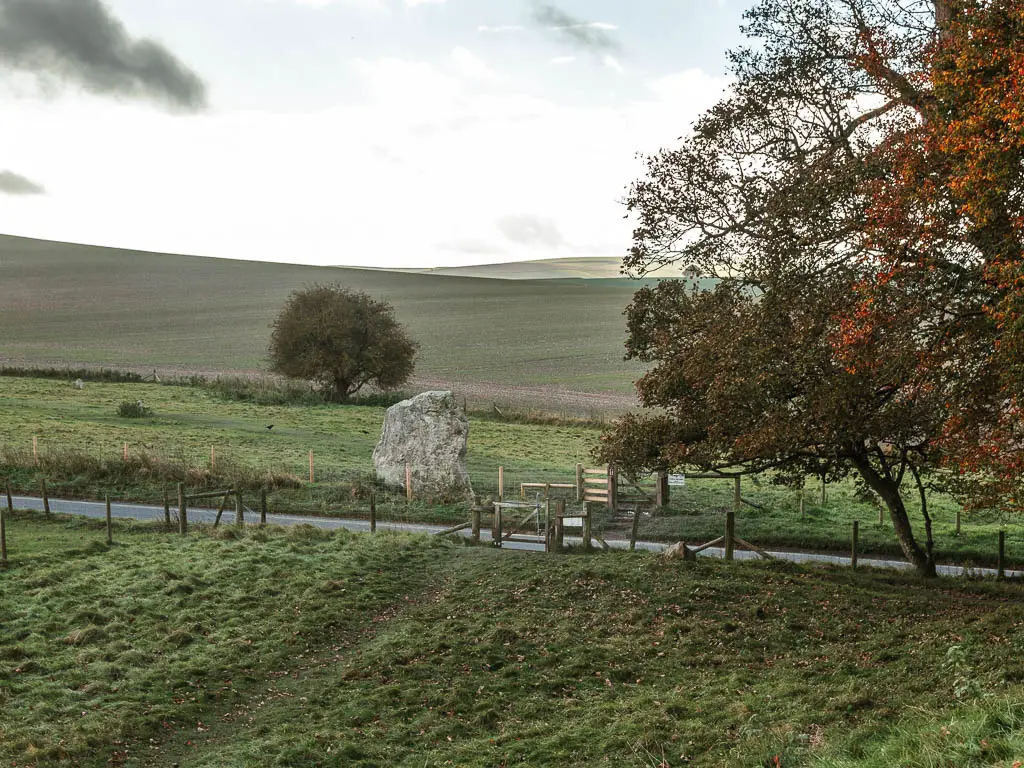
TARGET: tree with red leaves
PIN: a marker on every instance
(857, 199)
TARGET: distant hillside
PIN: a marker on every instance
(102, 306)
(587, 268)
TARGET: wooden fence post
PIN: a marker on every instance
(46, 496)
(958, 522)
(498, 533)
(239, 509)
(3, 537)
(110, 527)
(613, 489)
(662, 491)
(1001, 563)
(803, 512)
(167, 509)
(312, 477)
(125, 454)
(730, 534)
(182, 511)
(263, 507)
(881, 515)
(475, 517)
(822, 490)
(10, 499)
(547, 521)
(588, 528)
(35, 450)
(853, 544)
(559, 527)
(373, 514)
(501, 483)
(633, 530)
(213, 457)
(408, 482)
(579, 483)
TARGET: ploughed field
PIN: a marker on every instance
(84, 305)
(302, 648)
(206, 438)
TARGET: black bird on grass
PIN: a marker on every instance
(270, 426)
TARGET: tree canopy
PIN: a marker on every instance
(341, 339)
(858, 197)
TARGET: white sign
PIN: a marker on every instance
(677, 479)
(572, 522)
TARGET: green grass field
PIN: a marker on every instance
(301, 648)
(71, 304)
(81, 440)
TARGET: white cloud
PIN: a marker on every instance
(469, 65)
(563, 60)
(414, 3)
(613, 63)
(501, 28)
(594, 25)
(427, 170)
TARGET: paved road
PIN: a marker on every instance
(145, 512)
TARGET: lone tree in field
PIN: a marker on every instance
(341, 339)
(858, 196)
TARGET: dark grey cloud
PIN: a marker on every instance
(81, 42)
(12, 183)
(589, 35)
(530, 230)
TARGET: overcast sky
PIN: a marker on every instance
(357, 132)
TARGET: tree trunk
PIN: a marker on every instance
(889, 491)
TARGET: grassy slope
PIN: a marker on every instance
(300, 648)
(188, 421)
(82, 304)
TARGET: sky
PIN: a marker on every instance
(386, 133)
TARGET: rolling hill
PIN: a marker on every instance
(547, 340)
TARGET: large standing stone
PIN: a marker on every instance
(429, 433)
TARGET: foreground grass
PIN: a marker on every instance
(300, 648)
